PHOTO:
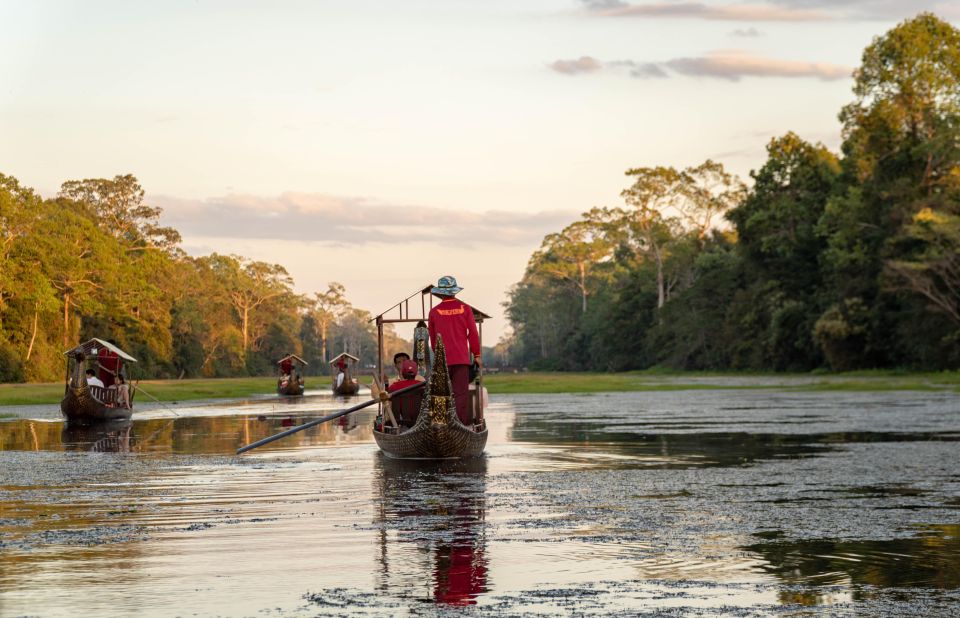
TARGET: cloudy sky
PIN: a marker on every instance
(383, 144)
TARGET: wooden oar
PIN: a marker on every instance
(329, 417)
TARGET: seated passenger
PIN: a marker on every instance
(122, 397)
(408, 371)
(406, 407)
(398, 360)
(92, 379)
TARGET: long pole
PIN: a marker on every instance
(329, 417)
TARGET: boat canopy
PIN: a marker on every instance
(402, 312)
(345, 356)
(93, 347)
(405, 314)
(292, 357)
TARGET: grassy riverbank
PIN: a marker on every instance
(164, 390)
(534, 382)
(554, 382)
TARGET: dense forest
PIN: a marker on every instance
(94, 262)
(828, 260)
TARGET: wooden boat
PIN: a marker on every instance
(290, 375)
(427, 424)
(436, 432)
(85, 404)
(342, 371)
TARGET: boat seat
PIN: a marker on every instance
(103, 394)
(406, 407)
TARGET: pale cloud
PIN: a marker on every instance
(774, 10)
(728, 64)
(641, 70)
(733, 65)
(746, 33)
(583, 64)
(314, 217)
(698, 10)
(874, 9)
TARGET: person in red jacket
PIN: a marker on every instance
(408, 371)
(453, 320)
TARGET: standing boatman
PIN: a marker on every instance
(453, 320)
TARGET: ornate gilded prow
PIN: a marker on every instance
(439, 396)
(78, 377)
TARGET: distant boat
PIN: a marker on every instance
(290, 375)
(343, 381)
(85, 403)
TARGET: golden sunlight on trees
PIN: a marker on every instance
(843, 261)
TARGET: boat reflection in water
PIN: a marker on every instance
(432, 528)
(108, 437)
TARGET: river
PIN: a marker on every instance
(752, 502)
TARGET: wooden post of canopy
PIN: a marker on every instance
(480, 375)
(379, 376)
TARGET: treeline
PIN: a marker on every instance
(94, 262)
(838, 261)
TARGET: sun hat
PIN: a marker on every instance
(446, 286)
(408, 368)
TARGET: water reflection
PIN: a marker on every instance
(432, 521)
(931, 560)
(625, 450)
(220, 435)
(110, 437)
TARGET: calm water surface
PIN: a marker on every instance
(691, 502)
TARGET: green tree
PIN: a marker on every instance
(902, 147)
(326, 309)
(250, 286)
(118, 207)
(933, 268)
(572, 254)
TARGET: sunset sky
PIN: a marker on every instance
(383, 144)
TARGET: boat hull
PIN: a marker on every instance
(450, 440)
(347, 387)
(79, 406)
(290, 389)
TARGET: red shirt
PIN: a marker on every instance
(395, 386)
(454, 321)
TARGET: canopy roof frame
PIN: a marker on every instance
(344, 354)
(293, 357)
(405, 316)
(89, 348)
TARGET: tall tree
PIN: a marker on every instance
(118, 206)
(18, 216)
(79, 259)
(709, 191)
(666, 204)
(572, 254)
(652, 197)
(327, 307)
(250, 285)
(933, 268)
(902, 146)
